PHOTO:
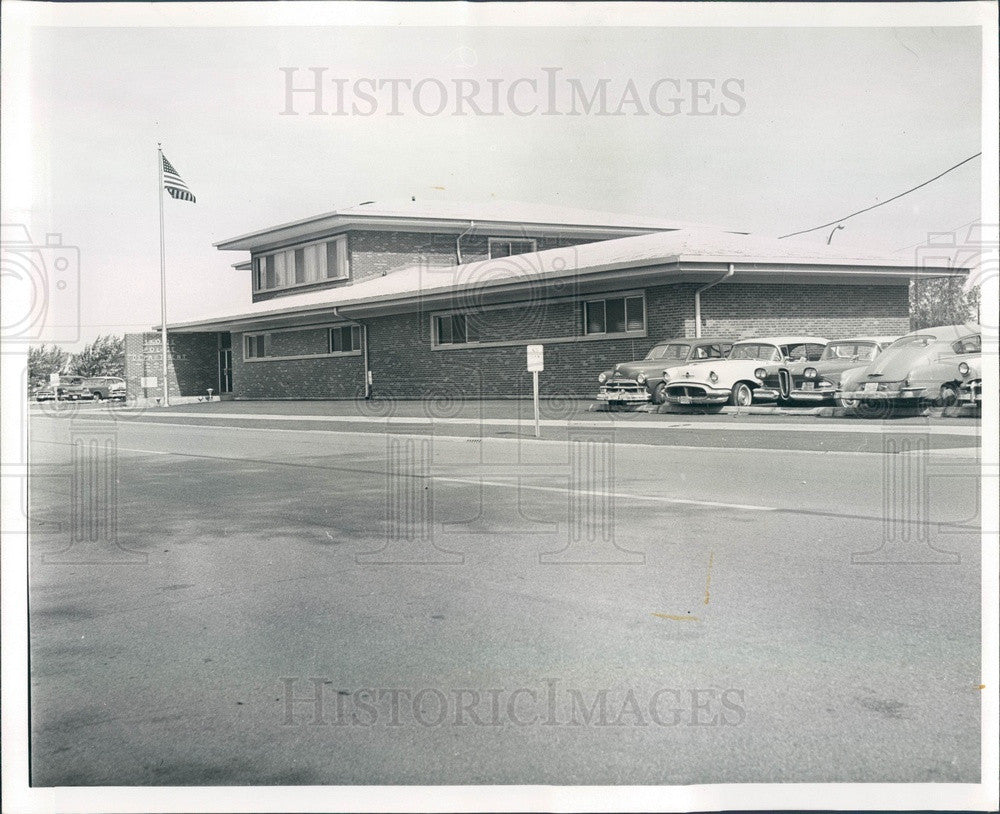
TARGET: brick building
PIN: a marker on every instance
(433, 301)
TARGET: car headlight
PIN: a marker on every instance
(810, 373)
(602, 378)
(713, 377)
(760, 373)
(666, 375)
(641, 378)
(963, 368)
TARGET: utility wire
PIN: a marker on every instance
(883, 203)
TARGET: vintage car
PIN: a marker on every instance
(70, 388)
(736, 379)
(817, 382)
(106, 387)
(642, 381)
(919, 368)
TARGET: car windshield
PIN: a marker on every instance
(760, 352)
(672, 351)
(851, 351)
(915, 341)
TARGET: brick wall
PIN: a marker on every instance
(328, 377)
(832, 311)
(405, 366)
(192, 363)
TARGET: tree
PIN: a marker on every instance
(45, 359)
(105, 356)
(942, 301)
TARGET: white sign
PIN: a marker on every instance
(54, 379)
(535, 358)
(149, 381)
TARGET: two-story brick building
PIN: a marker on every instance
(431, 300)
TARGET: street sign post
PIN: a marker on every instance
(536, 364)
(54, 384)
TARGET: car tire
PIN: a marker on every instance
(660, 393)
(97, 396)
(742, 395)
(849, 406)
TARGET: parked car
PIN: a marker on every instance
(817, 382)
(642, 381)
(106, 387)
(70, 388)
(737, 379)
(919, 368)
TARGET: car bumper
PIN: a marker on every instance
(905, 394)
(704, 395)
(622, 396)
(812, 396)
(972, 394)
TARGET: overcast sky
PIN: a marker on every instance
(832, 120)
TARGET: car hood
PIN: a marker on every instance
(647, 367)
(698, 371)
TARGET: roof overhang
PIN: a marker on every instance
(570, 283)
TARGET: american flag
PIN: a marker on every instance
(173, 184)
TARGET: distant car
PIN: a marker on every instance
(919, 368)
(642, 381)
(70, 388)
(737, 379)
(106, 387)
(44, 392)
(817, 382)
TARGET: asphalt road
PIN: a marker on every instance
(462, 602)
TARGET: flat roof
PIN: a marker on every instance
(509, 217)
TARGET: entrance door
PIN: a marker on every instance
(225, 371)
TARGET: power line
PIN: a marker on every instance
(883, 203)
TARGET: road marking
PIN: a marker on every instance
(832, 427)
(684, 618)
(600, 493)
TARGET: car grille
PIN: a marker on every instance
(784, 382)
(690, 390)
(623, 386)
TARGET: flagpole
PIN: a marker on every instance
(163, 282)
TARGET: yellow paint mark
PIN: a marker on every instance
(708, 579)
(981, 687)
(685, 618)
(437, 188)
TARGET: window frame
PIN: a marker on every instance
(355, 330)
(491, 240)
(452, 315)
(258, 265)
(624, 297)
(329, 354)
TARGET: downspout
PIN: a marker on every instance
(697, 299)
(458, 241)
(364, 351)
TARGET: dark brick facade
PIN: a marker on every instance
(192, 364)
(404, 365)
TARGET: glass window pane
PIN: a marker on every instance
(311, 258)
(615, 315)
(444, 330)
(269, 275)
(333, 259)
(458, 329)
(356, 337)
(594, 317)
(499, 248)
(633, 314)
(300, 266)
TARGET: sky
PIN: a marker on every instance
(832, 120)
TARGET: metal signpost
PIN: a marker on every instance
(54, 384)
(536, 364)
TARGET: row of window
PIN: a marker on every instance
(307, 264)
(344, 339)
(318, 262)
(613, 315)
(608, 316)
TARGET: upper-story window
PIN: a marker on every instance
(303, 265)
(505, 247)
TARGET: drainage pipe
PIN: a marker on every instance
(697, 298)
